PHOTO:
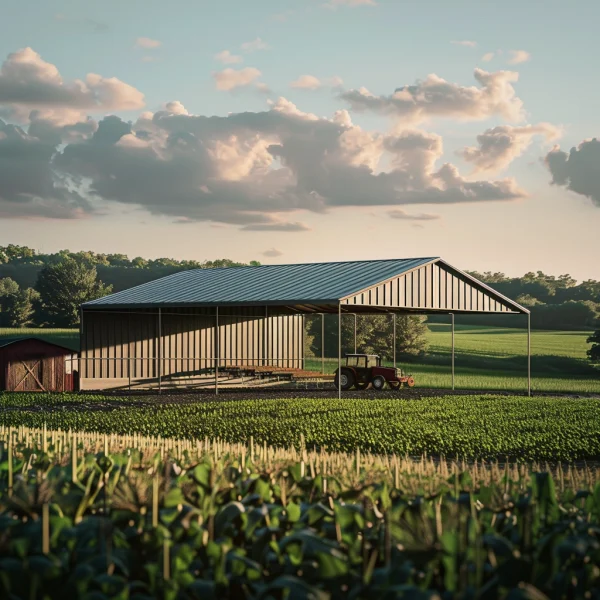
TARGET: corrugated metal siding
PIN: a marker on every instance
(431, 287)
(111, 338)
(268, 284)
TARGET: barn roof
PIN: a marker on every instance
(14, 340)
(320, 287)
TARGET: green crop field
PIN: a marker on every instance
(64, 337)
(136, 518)
(475, 426)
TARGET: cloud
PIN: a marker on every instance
(227, 58)
(578, 170)
(29, 186)
(27, 83)
(306, 82)
(147, 43)
(467, 43)
(436, 97)
(276, 226)
(251, 170)
(272, 253)
(499, 146)
(254, 46)
(229, 79)
(400, 214)
(518, 56)
(488, 56)
(310, 82)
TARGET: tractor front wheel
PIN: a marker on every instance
(395, 385)
(378, 382)
(346, 379)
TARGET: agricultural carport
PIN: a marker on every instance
(28, 364)
(167, 329)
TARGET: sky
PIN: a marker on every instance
(292, 131)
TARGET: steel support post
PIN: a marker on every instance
(339, 350)
(265, 345)
(452, 315)
(354, 333)
(217, 350)
(159, 350)
(394, 337)
(323, 343)
(529, 354)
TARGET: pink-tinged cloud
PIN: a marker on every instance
(227, 58)
(230, 79)
(436, 97)
(518, 56)
(577, 170)
(27, 83)
(306, 82)
(488, 56)
(499, 146)
(147, 43)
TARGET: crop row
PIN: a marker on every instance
(190, 520)
(520, 428)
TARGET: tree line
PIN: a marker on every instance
(46, 290)
(38, 289)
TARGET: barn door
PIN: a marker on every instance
(25, 376)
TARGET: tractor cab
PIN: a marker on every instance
(363, 361)
(363, 370)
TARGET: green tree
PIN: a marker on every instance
(64, 286)
(9, 291)
(23, 308)
(374, 335)
(594, 339)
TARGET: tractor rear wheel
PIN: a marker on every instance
(346, 379)
(378, 382)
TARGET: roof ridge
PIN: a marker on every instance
(321, 262)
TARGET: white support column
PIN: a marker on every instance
(452, 315)
(217, 349)
(339, 350)
(529, 354)
(159, 350)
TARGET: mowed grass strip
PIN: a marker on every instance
(488, 427)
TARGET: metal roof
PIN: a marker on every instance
(312, 283)
(9, 341)
(301, 287)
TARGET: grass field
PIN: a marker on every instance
(495, 358)
(487, 358)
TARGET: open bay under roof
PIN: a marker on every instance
(418, 285)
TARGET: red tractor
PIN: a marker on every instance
(363, 370)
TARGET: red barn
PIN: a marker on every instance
(35, 365)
